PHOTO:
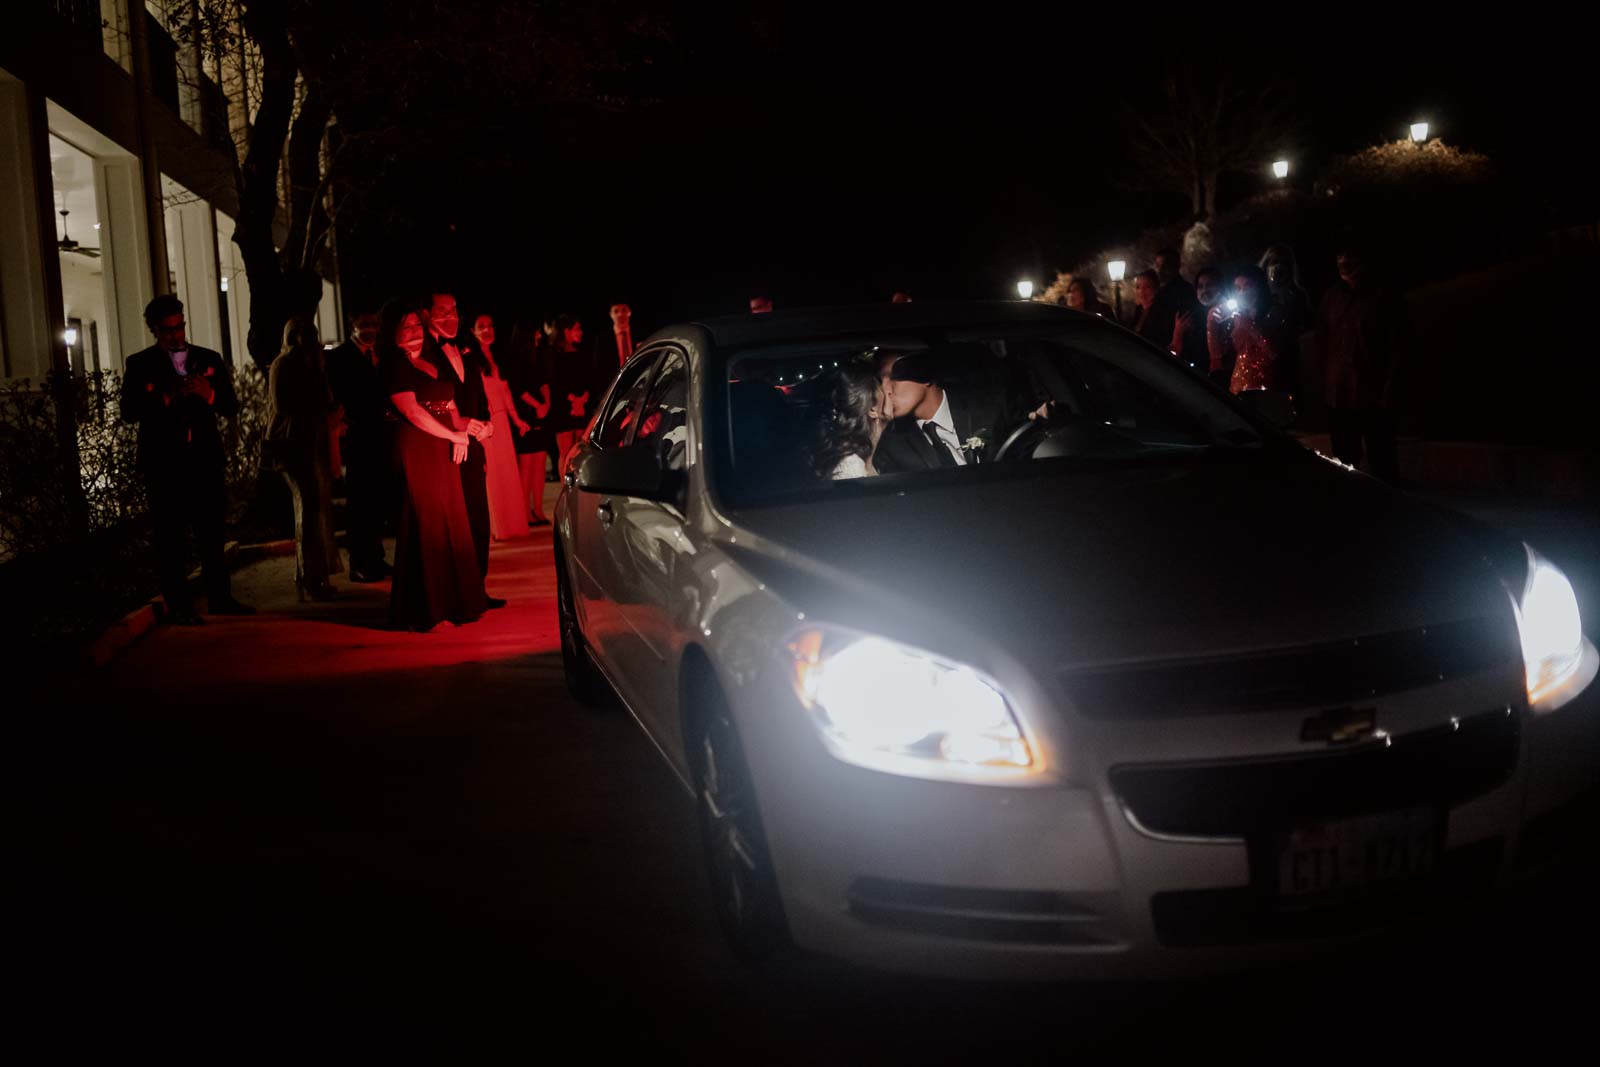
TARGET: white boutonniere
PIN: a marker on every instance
(973, 447)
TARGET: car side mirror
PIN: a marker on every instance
(1270, 405)
(631, 472)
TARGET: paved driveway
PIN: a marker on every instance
(303, 835)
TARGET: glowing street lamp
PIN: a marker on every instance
(1280, 168)
(1116, 269)
(1419, 132)
(1025, 289)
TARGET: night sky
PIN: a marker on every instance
(828, 153)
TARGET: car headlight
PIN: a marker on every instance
(882, 705)
(1559, 661)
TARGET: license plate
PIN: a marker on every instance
(1339, 856)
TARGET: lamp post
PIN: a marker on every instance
(1419, 132)
(1117, 268)
(1025, 289)
(1280, 168)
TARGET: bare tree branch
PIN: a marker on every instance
(1203, 125)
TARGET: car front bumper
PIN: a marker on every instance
(1057, 881)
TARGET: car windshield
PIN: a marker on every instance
(904, 412)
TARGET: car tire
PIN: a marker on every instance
(744, 886)
(584, 680)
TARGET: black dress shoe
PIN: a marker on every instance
(231, 607)
(325, 591)
(367, 577)
(493, 601)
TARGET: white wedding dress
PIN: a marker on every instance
(851, 467)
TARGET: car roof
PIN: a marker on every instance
(738, 331)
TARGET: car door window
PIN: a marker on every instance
(617, 420)
(663, 421)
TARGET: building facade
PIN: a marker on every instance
(116, 183)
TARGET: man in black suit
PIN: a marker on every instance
(458, 361)
(368, 427)
(175, 391)
(935, 426)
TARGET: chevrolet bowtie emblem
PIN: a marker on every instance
(1341, 726)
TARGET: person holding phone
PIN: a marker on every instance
(1254, 337)
(175, 391)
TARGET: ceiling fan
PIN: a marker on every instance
(67, 244)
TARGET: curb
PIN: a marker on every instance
(141, 620)
(1516, 469)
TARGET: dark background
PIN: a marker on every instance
(827, 153)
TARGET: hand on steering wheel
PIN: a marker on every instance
(1029, 430)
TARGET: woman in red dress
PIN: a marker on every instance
(1254, 334)
(508, 503)
(437, 581)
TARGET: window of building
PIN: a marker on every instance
(114, 32)
(78, 247)
(192, 261)
(100, 184)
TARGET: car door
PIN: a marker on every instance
(650, 552)
(591, 512)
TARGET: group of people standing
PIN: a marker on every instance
(443, 434)
(1243, 330)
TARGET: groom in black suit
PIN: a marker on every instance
(935, 426)
(175, 391)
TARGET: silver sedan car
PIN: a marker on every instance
(989, 641)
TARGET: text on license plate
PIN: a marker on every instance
(1343, 854)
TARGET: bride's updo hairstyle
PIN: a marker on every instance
(843, 426)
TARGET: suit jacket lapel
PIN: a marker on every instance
(919, 443)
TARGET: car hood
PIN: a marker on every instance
(1203, 558)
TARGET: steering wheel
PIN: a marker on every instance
(1029, 430)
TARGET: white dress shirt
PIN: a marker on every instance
(946, 425)
(180, 361)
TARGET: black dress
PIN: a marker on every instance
(436, 572)
(528, 373)
(573, 375)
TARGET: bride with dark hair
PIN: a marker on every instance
(853, 418)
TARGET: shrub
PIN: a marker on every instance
(73, 535)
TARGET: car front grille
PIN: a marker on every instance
(1003, 915)
(1439, 767)
(1358, 669)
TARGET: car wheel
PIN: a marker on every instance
(744, 887)
(584, 680)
